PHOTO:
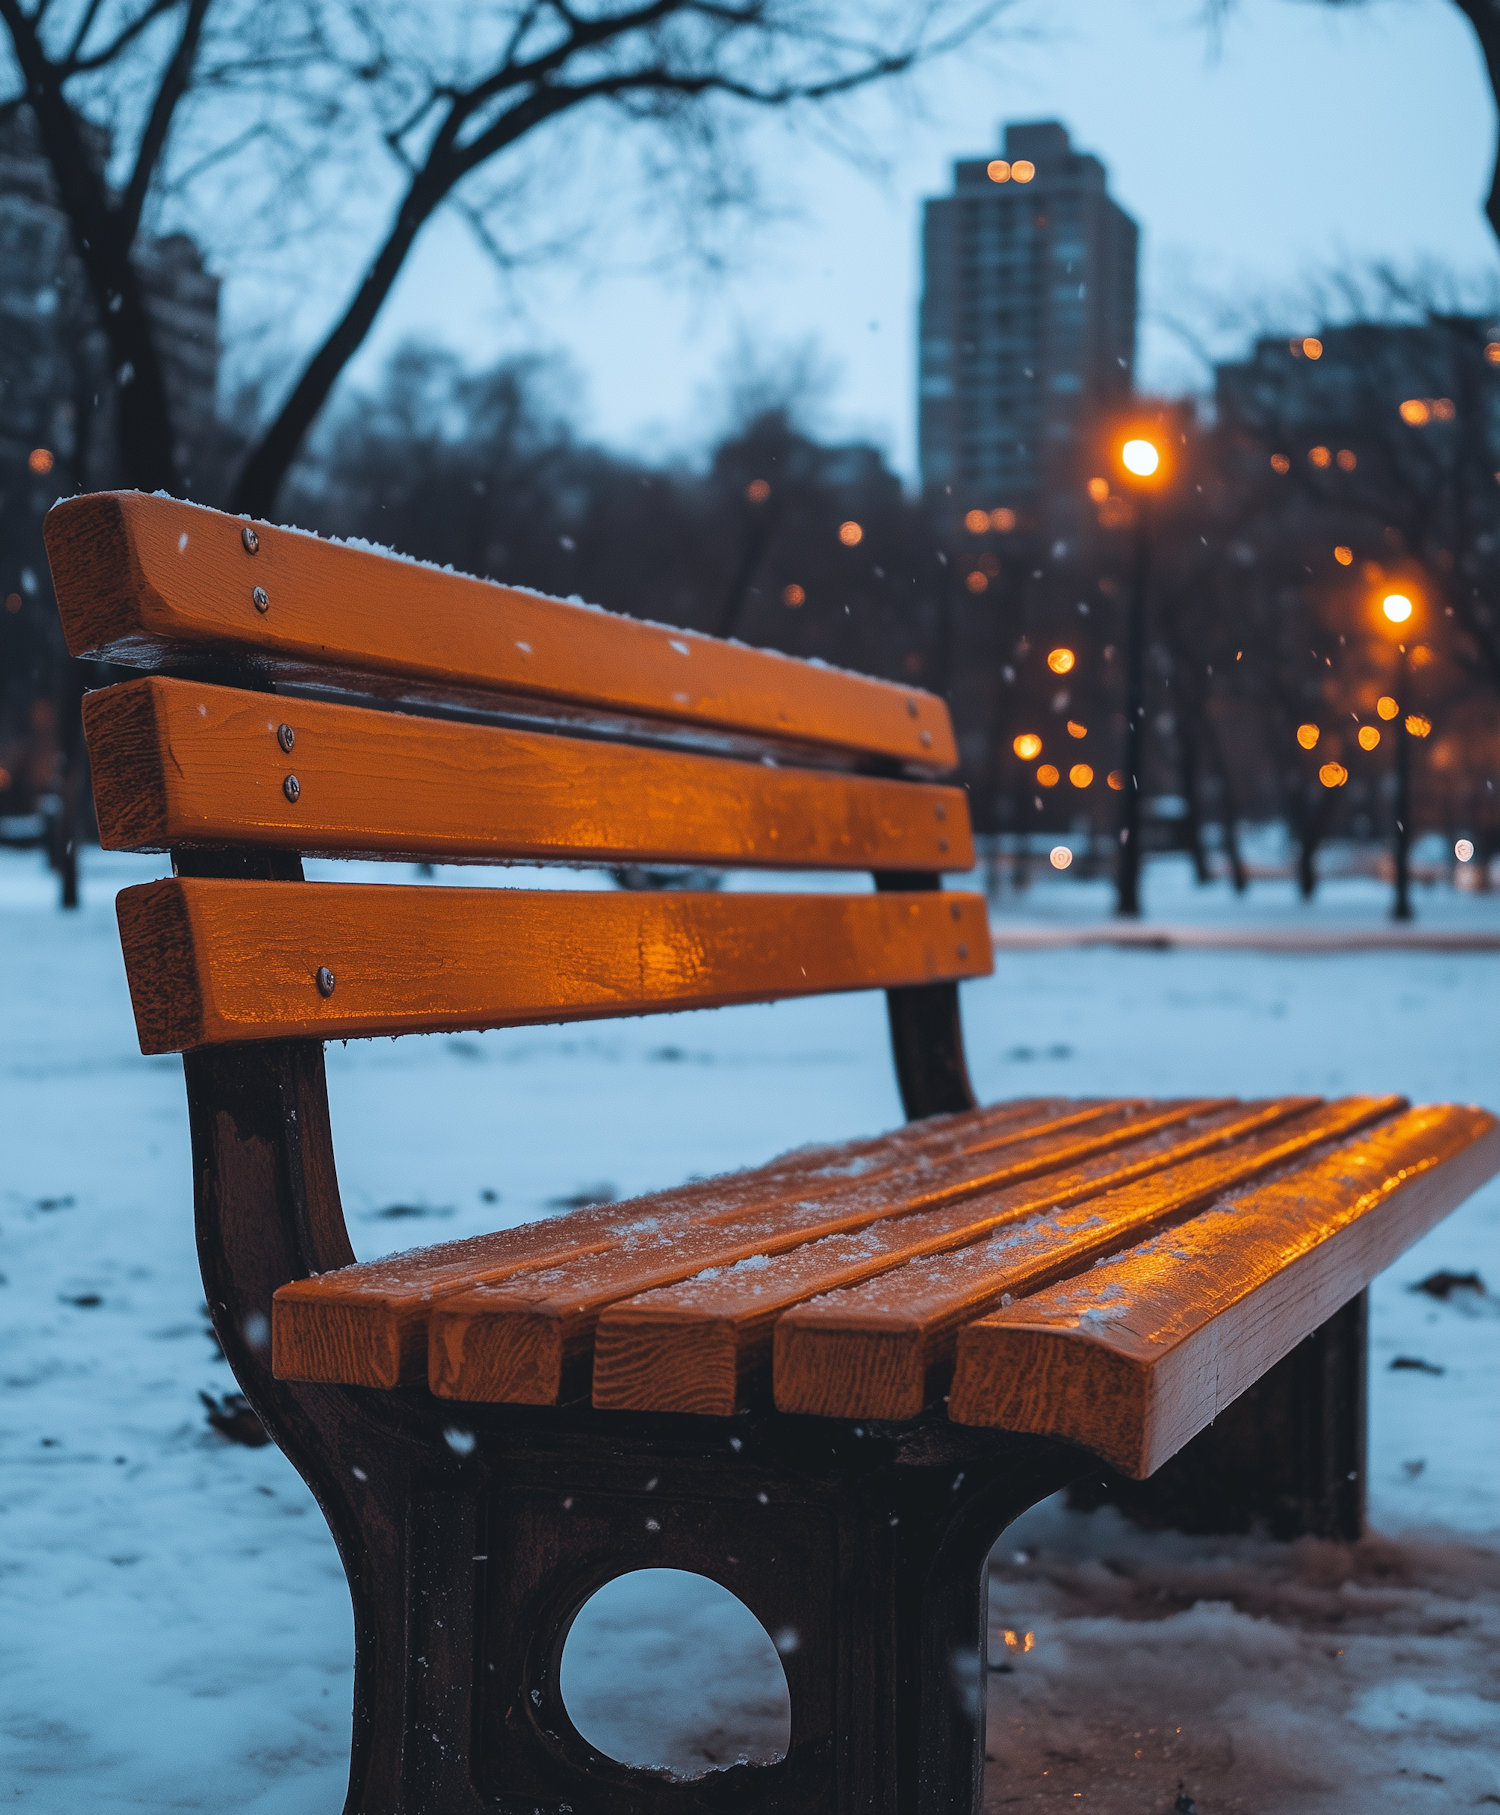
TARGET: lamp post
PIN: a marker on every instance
(1396, 609)
(1141, 461)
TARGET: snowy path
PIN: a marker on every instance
(176, 1633)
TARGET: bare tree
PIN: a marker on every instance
(440, 97)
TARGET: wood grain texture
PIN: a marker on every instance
(178, 764)
(150, 581)
(885, 1349)
(366, 1325)
(704, 1345)
(1135, 1358)
(211, 962)
(529, 1339)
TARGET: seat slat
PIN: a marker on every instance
(177, 763)
(366, 1325)
(705, 1345)
(1135, 1358)
(152, 582)
(885, 1349)
(211, 962)
(529, 1339)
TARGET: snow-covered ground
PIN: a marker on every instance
(175, 1629)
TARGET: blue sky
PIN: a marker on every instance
(1310, 141)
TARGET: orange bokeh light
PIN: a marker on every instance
(1077, 730)
(793, 595)
(1023, 170)
(1098, 490)
(1320, 456)
(758, 490)
(1280, 463)
(1140, 457)
(1081, 775)
(997, 170)
(1344, 556)
(1417, 725)
(976, 521)
(1347, 460)
(1312, 347)
(1003, 520)
(1047, 776)
(1333, 775)
(1061, 661)
(1027, 745)
(1060, 857)
(1415, 411)
(977, 582)
(40, 460)
(1396, 606)
(1307, 736)
(850, 534)
(1369, 737)
(1116, 779)
(1386, 706)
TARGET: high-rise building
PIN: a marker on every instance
(1028, 322)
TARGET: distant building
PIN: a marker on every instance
(1028, 321)
(56, 386)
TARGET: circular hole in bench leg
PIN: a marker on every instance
(668, 1671)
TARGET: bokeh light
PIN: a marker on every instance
(1347, 460)
(758, 490)
(976, 521)
(1369, 737)
(1061, 661)
(1047, 776)
(793, 595)
(1023, 170)
(1077, 730)
(1417, 725)
(1333, 775)
(1307, 736)
(1280, 463)
(1116, 779)
(1027, 745)
(1415, 411)
(1059, 857)
(1098, 490)
(40, 460)
(998, 170)
(1344, 555)
(1004, 520)
(1312, 347)
(1386, 706)
(977, 582)
(1320, 456)
(1396, 606)
(1081, 775)
(1463, 850)
(1140, 457)
(850, 534)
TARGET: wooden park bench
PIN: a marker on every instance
(826, 1384)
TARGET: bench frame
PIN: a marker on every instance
(869, 1540)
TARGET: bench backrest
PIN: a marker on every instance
(535, 730)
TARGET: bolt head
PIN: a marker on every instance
(259, 599)
(286, 737)
(250, 539)
(291, 788)
(325, 981)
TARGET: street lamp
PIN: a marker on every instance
(1396, 613)
(1140, 459)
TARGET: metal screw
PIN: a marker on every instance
(911, 707)
(259, 600)
(942, 844)
(942, 811)
(325, 980)
(286, 737)
(956, 911)
(963, 951)
(926, 739)
(250, 539)
(291, 788)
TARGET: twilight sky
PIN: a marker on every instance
(1310, 142)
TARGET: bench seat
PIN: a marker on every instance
(1114, 1272)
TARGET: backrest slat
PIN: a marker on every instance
(213, 962)
(183, 763)
(151, 582)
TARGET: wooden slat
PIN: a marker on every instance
(366, 1325)
(885, 1349)
(176, 764)
(704, 1345)
(211, 962)
(150, 581)
(1134, 1358)
(529, 1339)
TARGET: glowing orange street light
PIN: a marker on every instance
(1397, 607)
(1397, 614)
(1140, 457)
